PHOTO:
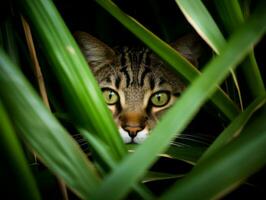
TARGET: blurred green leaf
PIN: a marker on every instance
(106, 159)
(232, 17)
(42, 132)
(80, 89)
(227, 164)
(7, 39)
(201, 20)
(16, 167)
(230, 13)
(158, 176)
(199, 17)
(234, 129)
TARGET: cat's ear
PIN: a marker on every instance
(96, 52)
(190, 47)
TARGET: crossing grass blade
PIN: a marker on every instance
(118, 183)
(201, 20)
(15, 162)
(7, 39)
(169, 55)
(104, 151)
(80, 89)
(227, 164)
(232, 17)
(199, 17)
(234, 129)
(43, 133)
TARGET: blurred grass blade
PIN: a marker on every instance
(80, 89)
(157, 176)
(40, 130)
(17, 169)
(169, 55)
(8, 41)
(234, 129)
(199, 17)
(226, 164)
(104, 151)
(232, 17)
(230, 13)
(135, 165)
(252, 75)
(100, 147)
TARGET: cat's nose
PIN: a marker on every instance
(132, 130)
(133, 122)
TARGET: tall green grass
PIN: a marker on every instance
(113, 173)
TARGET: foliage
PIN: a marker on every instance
(109, 170)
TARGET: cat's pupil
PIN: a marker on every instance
(111, 94)
(158, 97)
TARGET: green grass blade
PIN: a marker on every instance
(199, 17)
(234, 129)
(101, 148)
(15, 162)
(42, 132)
(80, 89)
(8, 39)
(104, 151)
(168, 54)
(226, 164)
(118, 183)
(232, 17)
(158, 176)
(252, 75)
(230, 13)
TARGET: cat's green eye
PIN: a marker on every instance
(160, 99)
(110, 96)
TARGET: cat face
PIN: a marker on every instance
(137, 86)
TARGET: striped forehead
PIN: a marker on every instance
(133, 57)
(134, 64)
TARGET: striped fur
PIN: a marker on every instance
(137, 77)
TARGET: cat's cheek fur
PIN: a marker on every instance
(141, 136)
(125, 136)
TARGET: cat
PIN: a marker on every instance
(137, 86)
